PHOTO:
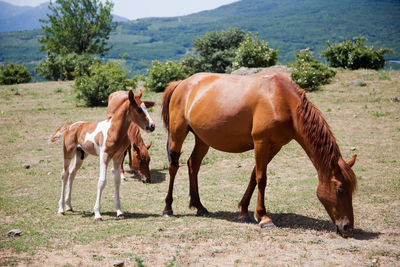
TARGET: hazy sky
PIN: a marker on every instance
(133, 9)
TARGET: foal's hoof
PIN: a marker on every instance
(167, 213)
(61, 214)
(69, 210)
(121, 217)
(267, 224)
(245, 219)
(98, 220)
(203, 213)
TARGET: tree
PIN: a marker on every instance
(355, 55)
(217, 50)
(254, 53)
(14, 73)
(78, 26)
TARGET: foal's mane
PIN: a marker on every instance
(318, 135)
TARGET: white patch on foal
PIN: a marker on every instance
(102, 127)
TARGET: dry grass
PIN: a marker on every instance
(362, 108)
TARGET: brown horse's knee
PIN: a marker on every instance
(174, 158)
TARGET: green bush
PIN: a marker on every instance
(160, 74)
(308, 73)
(102, 80)
(254, 53)
(65, 67)
(14, 73)
(355, 55)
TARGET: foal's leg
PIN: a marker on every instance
(117, 183)
(74, 167)
(101, 184)
(174, 147)
(64, 178)
(194, 162)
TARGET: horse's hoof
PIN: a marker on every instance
(61, 213)
(203, 213)
(146, 181)
(267, 225)
(98, 219)
(245, 219)
(167, 213)
(121, 217)
(69, 210)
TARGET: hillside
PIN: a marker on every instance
(288, 24)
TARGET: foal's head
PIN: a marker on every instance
(138, 111)
(141, 161)
(336, 194)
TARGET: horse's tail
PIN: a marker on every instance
(59, 132)
(169, 90)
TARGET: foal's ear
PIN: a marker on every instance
(148, 104)
(139, 95)
(132, 98)
(352, 161)
(149, 145)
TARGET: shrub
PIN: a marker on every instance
(308, 73)
(14, 73)
(65, 67)
(355, 55)
(160, 74)
(103, 79)
(254, 53)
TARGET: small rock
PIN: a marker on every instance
(119, 263)
(14, 232)
(26, 166)
(353, 148)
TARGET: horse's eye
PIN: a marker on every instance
(339, 192)
(139, 110)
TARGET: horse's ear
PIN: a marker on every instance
(149, 145)
(132, 98)
(139, 95)
(352, 160)
(148, 104)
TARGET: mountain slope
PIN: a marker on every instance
(16, 18)
(288, 24)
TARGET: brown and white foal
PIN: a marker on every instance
(107, 139)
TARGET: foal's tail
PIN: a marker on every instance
(59, 132)
(169, 90)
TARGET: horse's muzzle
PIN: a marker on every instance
(344, 228)
(150, 127)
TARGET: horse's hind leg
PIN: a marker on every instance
(64, 178)
(194, 162)
(74, 167)
(244, 203)
(174, 147)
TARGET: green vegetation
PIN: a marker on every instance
(94, 88)
(76, 30)
(14, 73)
(160, 74)
(254, 53)
(355, 55)
(308, 73)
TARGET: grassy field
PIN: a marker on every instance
(362, 108)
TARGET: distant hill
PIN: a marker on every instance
(289, 24)
(21, 18)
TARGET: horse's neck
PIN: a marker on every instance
(120, 122)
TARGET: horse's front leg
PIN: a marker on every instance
(117, 182)
(262, 150)
(101, 184)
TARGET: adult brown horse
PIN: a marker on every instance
(141, 157)
(263, 112)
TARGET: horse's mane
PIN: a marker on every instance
(165, 101)
(317, 134)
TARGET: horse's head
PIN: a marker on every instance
(139, 113)
(336, 194)
(141, 161)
